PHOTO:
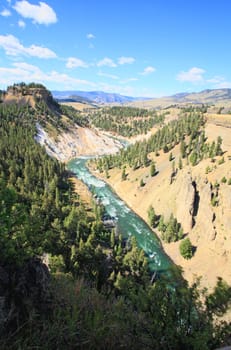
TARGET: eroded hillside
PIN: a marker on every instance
(198, 195)
(63, 130)
(79, 141)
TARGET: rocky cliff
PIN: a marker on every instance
(205, 219)
(185, 201)
(26, 94)
(77, 142)
(193, 204)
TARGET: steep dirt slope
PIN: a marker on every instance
(188, 197)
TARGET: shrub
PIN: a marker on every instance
(221, 161)
(208, 170)
(214, 201)
(223, 180)
(186, 248)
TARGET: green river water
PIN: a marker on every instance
(128, 223)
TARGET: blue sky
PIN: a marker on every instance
(138, 48)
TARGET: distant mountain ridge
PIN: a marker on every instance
(204, 96)
(221, 97)
(100, 97)
(208, 96)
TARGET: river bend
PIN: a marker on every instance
(128, 223)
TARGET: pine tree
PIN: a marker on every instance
(193, 158)
(151, 216)
(152, 169)
(183, 149)
(186, 248)
(170, 157)
(218, 149)
(161, 225)
(124, 176)
(112, 238)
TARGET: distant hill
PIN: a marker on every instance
(206, 96)
(75, 98)
(220, 97)
(94, 96)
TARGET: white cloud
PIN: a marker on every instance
(193, 75)
(123, 90)
(106, 62)
(66, 79)
(41, 14)
(22, 71)
(148, 70)
(111, 76)
(216, 80)
(73, 62)
(219, 82)
(13, 47)
(90, 36)
(26, 67)
(126, 60)
(21, 24)
(41, 52)
(128, 80)
(5, 13)
(223, 85)
(196, 75)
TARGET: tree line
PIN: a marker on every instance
(126, 121)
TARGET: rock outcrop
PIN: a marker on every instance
(185, 201)
(206, 216)
(77, 142)
(38, 93)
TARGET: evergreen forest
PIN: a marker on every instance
(186, 131)
(126, 121)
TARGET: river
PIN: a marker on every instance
(127, 222)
